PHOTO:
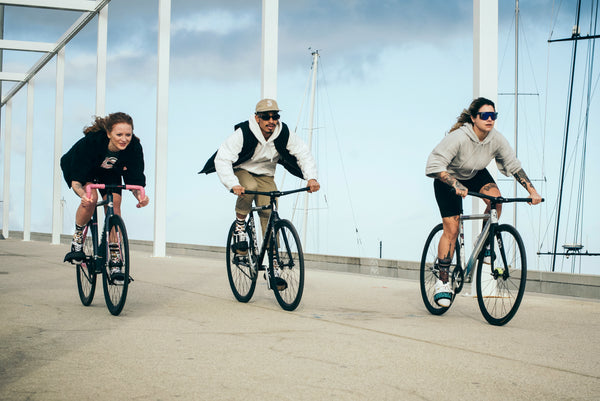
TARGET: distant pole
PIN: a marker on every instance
(516, 100)
(380, 249)
(315, 55)
(162, 128)
(566, 137)
(270, 23)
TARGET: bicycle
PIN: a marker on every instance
(97, 254)
(500, 284)
(285, 273)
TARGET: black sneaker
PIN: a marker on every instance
(279, 283)
(76, 256)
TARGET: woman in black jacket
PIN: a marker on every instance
(107, 152)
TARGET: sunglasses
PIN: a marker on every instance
(268, 116)
(488, 114)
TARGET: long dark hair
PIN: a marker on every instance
(105, 124)
(465, 116)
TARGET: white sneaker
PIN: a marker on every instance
(443, 294)
(240, 243)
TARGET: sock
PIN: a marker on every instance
(240, 225)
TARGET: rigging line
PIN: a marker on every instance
(566, 136)
(581, 192)
(358, 239)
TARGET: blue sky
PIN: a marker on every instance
(394, 75)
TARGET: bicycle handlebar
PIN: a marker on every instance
(275, 194)
(499, 199)
(88, 188)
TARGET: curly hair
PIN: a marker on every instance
(465, 116)
(105, 124)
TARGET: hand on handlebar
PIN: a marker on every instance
(238, 190)
(313, 185)
(535, 198)
(461, 190)
(86, 202)
(143, 202)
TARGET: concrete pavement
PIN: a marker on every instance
(182, 336)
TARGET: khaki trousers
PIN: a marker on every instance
(253, 182)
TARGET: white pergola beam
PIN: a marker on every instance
(162, 128)
(58, 134)
(67, 36)
(270, 23)
(12, 76)
(7, 151)
(72, 5)
(26, 46)
(28, 163)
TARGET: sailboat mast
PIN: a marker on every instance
(516, 100)
(311, 114)
(565, 141)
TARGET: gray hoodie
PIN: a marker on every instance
(462, 154)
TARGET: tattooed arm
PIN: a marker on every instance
(142, 202)
(522, 178)
(447, 179)
(80, 191)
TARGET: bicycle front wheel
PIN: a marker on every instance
(501, 283)
(115, 274)
(86, 271)
(286, 264)
(429, 273)
(240, 268)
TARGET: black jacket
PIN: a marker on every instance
(88, 153)
(287, 160)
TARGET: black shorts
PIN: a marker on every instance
(109, 177)
(448, 202)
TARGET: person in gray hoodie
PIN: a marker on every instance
(458, 165)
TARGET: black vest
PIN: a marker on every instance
(286, 159)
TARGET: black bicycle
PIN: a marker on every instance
(281, 244)
(111, 261)
(501, 265)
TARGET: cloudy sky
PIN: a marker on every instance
(393, 77)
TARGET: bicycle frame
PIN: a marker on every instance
(273, 219)
(491, 219)
(110, 211)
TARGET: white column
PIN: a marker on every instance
(270, 21)
(485, 75)
(28, 163)
(101, 61)
(485, 49)
(6, 199)
(58, 133)
(101, 75)
(162, 127)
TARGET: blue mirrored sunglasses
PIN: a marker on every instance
(488, 114)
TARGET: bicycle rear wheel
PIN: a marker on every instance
(429, 274)
(240, 268)
(501, 284)
(116, 284)
(86, 271)
(286, 262)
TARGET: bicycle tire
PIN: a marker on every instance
(289, 267)
(500, 289)
(240, 273)
(428, 276)
(86, 271)
(115, 292)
